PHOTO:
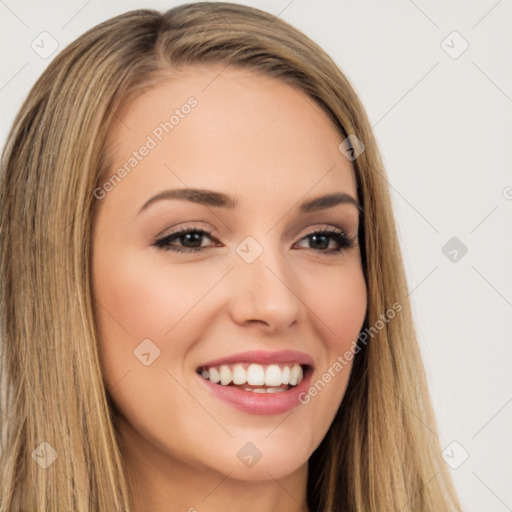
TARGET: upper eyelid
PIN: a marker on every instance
(346, 241)
(212, 233)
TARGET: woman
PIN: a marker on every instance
(203, 301)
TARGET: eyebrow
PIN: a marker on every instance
(221, 200)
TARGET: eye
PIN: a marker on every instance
(190, 240)
(321, 241)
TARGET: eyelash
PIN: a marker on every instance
(338, 235)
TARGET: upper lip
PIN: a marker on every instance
(263, 357)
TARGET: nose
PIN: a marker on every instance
(266, 294)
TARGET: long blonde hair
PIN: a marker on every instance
(381, 453)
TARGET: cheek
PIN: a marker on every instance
(338, 305)
(144, 299)
(139, 298)
(339, 301)
(131, 304)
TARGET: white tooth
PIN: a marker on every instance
(259, 390)
(285, 375)
(294, 374)
(255, 375)
(214, 375)
(300, 376)
(273, 390)
(239, 374)
(225, 375)
(205, 375)
(273, 375)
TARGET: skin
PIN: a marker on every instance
(270, 146)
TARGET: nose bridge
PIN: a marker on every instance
(265, 288)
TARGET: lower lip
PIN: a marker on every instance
(260, 403)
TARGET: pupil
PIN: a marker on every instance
(193, 237)
(322, 245)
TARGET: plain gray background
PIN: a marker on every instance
(441, 113)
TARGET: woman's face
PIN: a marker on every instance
(246, 291)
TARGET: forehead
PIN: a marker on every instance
(231, 129)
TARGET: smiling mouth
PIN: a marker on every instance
(258, 378)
